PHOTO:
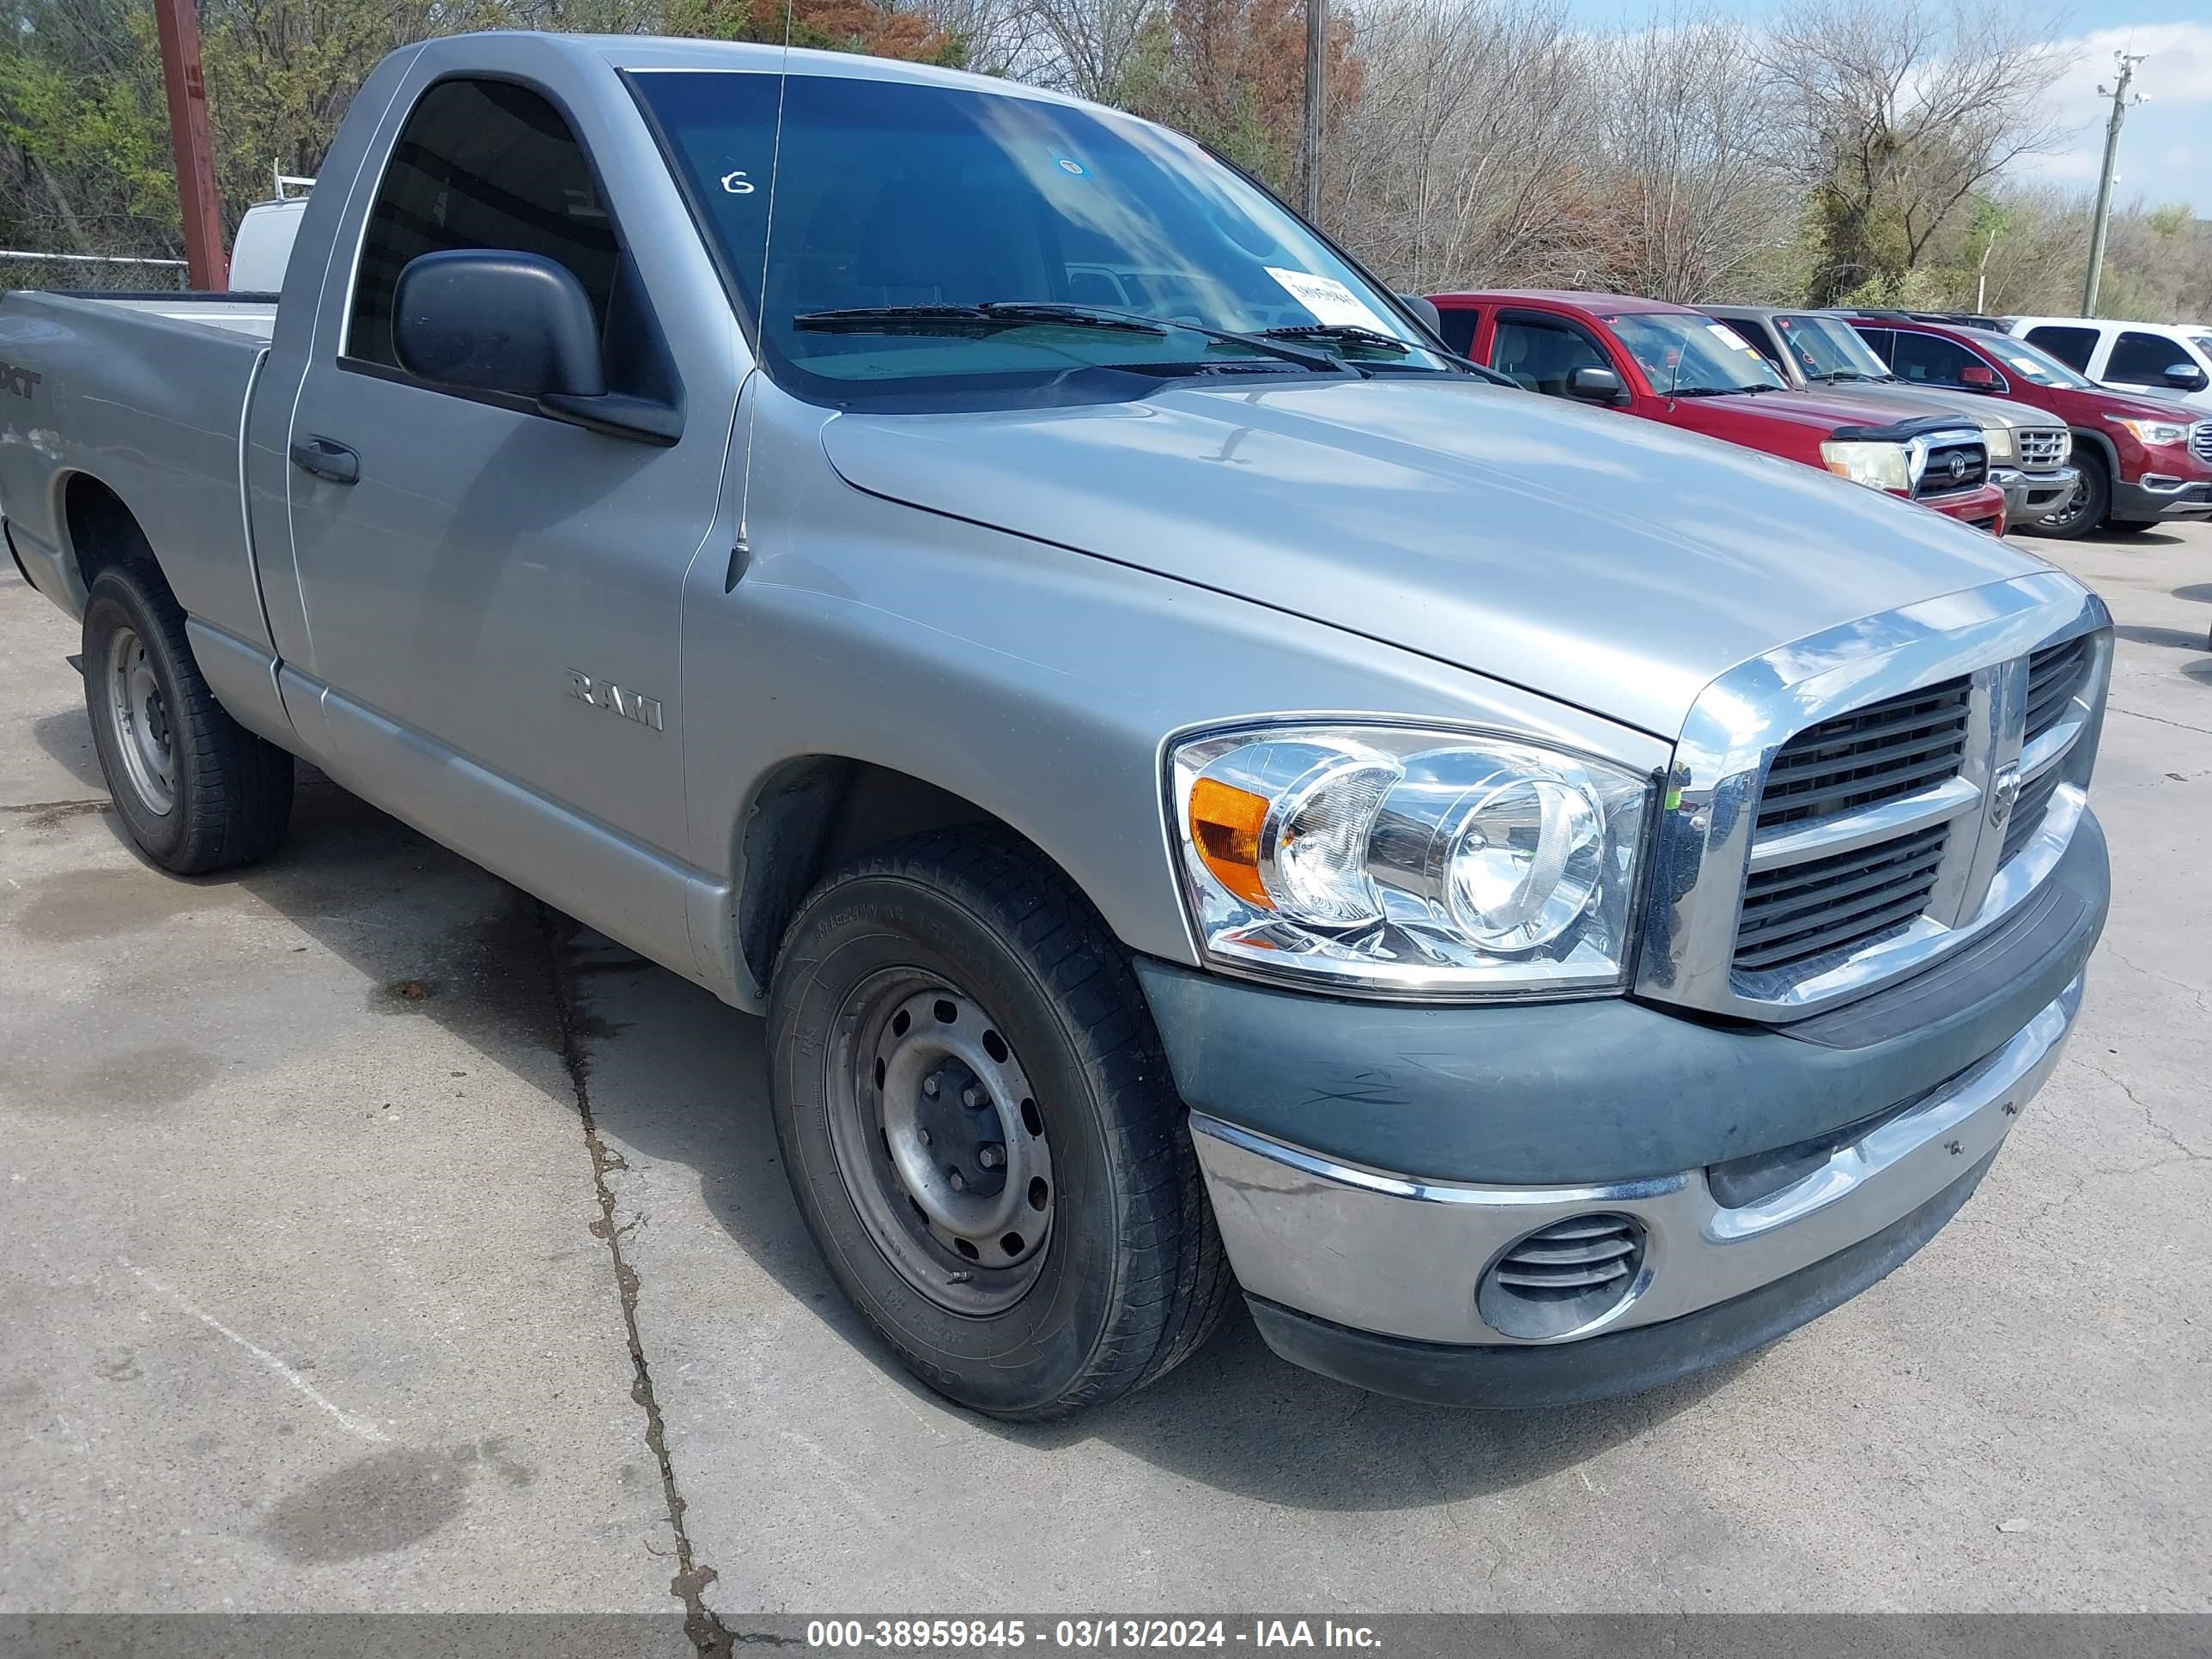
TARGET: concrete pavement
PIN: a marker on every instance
(336, 1195)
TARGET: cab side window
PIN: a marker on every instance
(480, 164)
(1882, 341)
(1539, 354)
(1458, 327)
(2142, 359)
(1927, 359)
(2071, 346)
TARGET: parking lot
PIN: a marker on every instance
(371, 1239)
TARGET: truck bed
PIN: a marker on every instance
(146, 393)
(254, 315)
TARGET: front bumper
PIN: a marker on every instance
(1369, 1163)
(2159, 496)
(1984, 508)
(1395, 1262)
(2033, 496)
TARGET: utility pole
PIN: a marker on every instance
(206, 263)
(2127, 62)
(1316, 26)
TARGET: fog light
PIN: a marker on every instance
(1563, 1277)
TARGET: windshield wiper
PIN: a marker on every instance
(993, 316)
(1339, 334)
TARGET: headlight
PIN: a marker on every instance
(1879, 465)
(2000, 441)
(1405, 861)
(2154, 432)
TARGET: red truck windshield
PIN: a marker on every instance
(1690, 355)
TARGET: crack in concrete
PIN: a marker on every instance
(2196, 993)
(691, 1579)
(89, 805)
(2160, 720)
(2149, 1117)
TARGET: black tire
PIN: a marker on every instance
(1129, 1276)
(226, 796)
(2088, 508)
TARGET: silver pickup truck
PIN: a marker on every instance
(1209, 791)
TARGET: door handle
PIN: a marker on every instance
(327, 459)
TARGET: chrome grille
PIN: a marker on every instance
(2027, 814)
(1799, 912)
(1883, 752)
(1830, 824)
(2042, 447)
(1962, 463)
(2054, 676)
(2200, 439)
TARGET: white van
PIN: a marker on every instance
(2167, 359)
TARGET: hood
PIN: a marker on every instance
(1599, 559)
(1824, 408)
(1898, 400)
(2135, 408)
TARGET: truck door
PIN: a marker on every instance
(493, 595)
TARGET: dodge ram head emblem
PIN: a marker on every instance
(601, 693)
(2004, 794)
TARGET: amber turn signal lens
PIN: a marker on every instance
(1224, 826)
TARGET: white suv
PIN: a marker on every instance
(2166, 360)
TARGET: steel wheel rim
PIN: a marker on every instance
(2076, 510)
(140, 716)
(916, 1158)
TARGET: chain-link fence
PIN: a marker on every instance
(20, 268)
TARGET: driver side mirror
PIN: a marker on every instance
(2186, 377)
(1425, 309)
(1591, 385)
(1979, 377)
(483, 319)
(487, 321)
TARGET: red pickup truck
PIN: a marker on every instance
(2144, 461)
(1680, 367)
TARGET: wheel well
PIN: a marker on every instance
(102, 532)
(810, 816)
(2099, 445)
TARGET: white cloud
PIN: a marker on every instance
(2177, 67)
(2164, 142)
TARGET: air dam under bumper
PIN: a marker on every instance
(1374, 1277)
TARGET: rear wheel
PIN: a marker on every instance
(2087, 508)
(981, 1130)
(197, 790)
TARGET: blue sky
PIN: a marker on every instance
(2166, 145)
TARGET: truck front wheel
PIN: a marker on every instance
(981, 1130)
(197, 791)
(2086, 510)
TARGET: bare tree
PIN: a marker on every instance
(1902, 110)
(1466, 158)
(1685, 115)
(1088, 47)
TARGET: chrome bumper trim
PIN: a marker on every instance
(1401, 1256)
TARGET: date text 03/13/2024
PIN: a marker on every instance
(986, 1635)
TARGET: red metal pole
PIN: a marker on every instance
(207, 262)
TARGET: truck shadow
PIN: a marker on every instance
(675, 1079)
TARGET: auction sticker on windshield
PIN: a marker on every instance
(1329, 300)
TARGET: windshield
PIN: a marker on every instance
(883, 196)
(1688, 355)
(1827, 349)
(2029, 361)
